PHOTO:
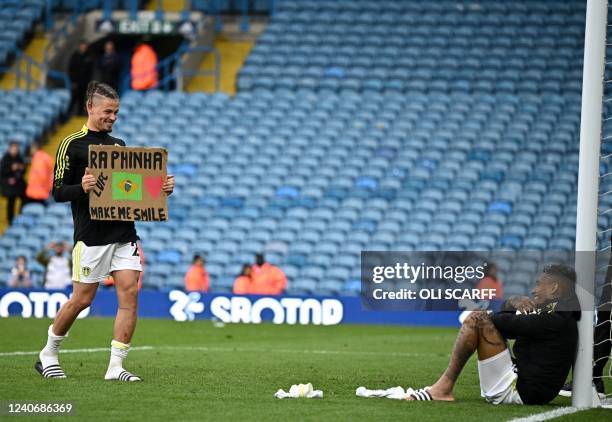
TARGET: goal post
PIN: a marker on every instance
(588, 192)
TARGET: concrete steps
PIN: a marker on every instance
(234, 46)
(35, 49)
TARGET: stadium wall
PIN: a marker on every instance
(225, 308)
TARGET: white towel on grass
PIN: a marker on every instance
(395, 393)
(299, 390)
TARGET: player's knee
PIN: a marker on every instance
(131, 293)
(81, 302)
(128, 297)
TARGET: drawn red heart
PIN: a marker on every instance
(153, 185)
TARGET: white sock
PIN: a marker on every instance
(50, 353)
(119, 351)
(115, 371)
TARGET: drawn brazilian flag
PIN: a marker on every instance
(127, 186)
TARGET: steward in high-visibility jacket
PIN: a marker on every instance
(40, 178)
(144, 68)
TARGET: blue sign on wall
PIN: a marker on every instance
(182, 306)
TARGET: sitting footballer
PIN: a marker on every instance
(546, 333)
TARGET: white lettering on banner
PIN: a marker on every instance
(35, 304)
(267, 303)
(55, 302)
(220, 307)
(39, 299)
(284, 311)
(333, 312)
(310, 307)
(15, 297)
(291, 306)
(185, 305)
(241, 309)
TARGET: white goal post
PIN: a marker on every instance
(588, 193)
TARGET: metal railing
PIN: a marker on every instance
(173, 73)
(215, 72)
(60, 35)
(34, 75)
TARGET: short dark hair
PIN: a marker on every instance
(244, 268)
(563, 273)
(196, 257)
(98, 88)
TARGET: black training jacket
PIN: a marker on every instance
(545, 347)
(70, 163)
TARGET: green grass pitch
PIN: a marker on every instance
(196, 371)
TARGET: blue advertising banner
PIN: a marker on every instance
(228, 308)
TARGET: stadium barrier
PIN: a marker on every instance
(226, 308)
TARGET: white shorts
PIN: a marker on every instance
(498, 379)
(93, 264)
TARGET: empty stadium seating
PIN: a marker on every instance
(28, 114)
(17, 18)
(421, 46)
(419, 139)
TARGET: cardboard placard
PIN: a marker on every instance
(129, 183)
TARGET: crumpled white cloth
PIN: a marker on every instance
(299, 390)
(395, 393)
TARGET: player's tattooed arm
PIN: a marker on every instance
(519, 303)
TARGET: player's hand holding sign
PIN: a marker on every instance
(168, 185)
(88, 181)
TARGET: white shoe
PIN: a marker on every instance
(50, 371)
(120, 374)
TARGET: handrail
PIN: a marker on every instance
(30, 80)
(172, 69)
(215, 72)
(62, 32)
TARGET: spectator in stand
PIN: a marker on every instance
(40, 178)
(267, 279)
(12, 183)
(20, 276)
(80, 69)
(491, 281)
(196, 279)
(144, 67)
(243, 285)
(109, 65)
(57, 265)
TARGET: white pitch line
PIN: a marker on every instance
(94, 350)
(229, 349)
(304, 351)
(551, 414)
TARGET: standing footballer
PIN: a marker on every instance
(101, 247)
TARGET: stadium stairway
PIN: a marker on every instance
(233, 54)
(167, 5)
(73, 124)
(3, 220)
(36, 50)
(234, 46)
